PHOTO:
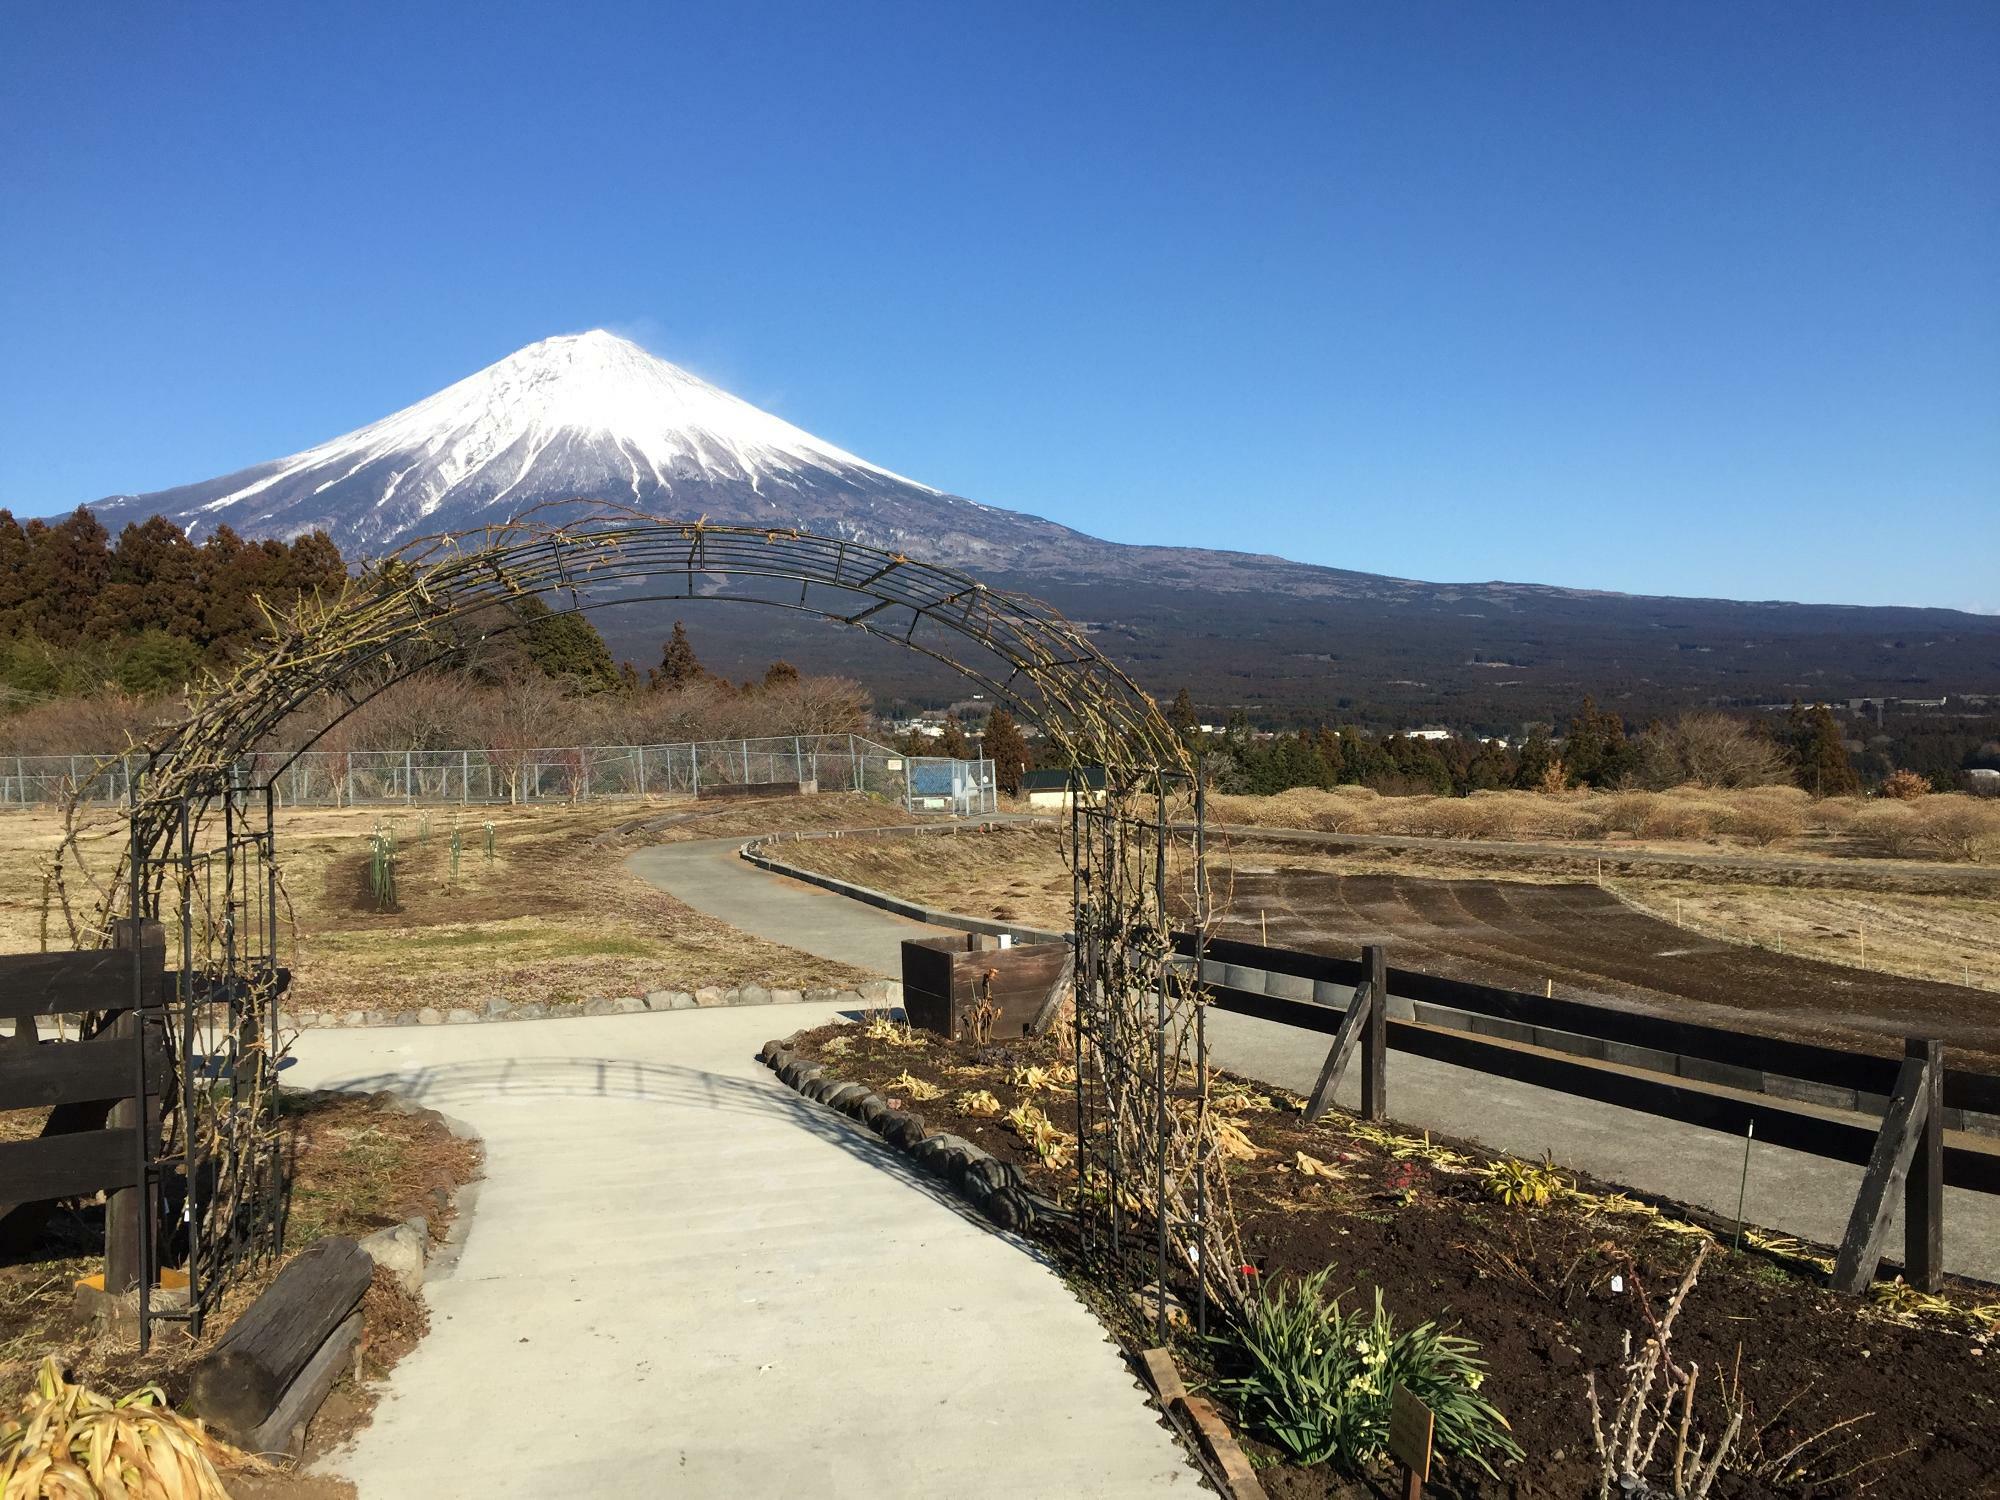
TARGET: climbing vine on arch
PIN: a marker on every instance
(1148, 1162)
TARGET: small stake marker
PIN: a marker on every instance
(1743, 1187)
(1410, 1424)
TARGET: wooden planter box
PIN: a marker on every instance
(947, 980)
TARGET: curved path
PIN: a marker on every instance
(1788, 1190)
(708, 875)
(681, 1278)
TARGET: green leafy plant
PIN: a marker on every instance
(1317, 1379)
(1516, 1183)
(457, 846)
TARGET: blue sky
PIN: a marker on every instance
(1675, 299)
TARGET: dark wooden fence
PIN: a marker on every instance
(1708, 1076)
(102, 1094)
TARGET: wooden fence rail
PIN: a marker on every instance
(1696, 1074)
(102, 1093)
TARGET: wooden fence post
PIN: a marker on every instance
(1375, 1037)
(1912, 1128)
(1344, 1041)
(131, 1214)
(1923, 1192)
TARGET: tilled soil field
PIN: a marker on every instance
(1585, 943)
(1539, 931)
(1903, 1401)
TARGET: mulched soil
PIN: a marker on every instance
(1589, 943)
(1534, 1287)
(356, 1163)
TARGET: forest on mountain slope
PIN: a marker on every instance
(99, 636)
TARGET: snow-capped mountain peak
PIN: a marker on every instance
(587, 414)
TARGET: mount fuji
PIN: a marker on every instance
(595, 416)
(590, 415)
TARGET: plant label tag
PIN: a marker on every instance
(1410, 1432)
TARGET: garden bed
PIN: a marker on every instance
(356, 1163)
(1547, 1292)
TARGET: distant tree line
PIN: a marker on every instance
(1596, 748)
(80, 611)
(100, 636)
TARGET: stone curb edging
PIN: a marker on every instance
(933, 916)
(994, 1187)
(872, 994)
(1227, 1461)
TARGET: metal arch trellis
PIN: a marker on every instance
(1143, 1090)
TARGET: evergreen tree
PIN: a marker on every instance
(157, 662)
(1005, 745)
(1182, 715)
(678, 667)
(1326, 746)
(566, 648)
(68, 566)
(15, 615)
(230, 570)
(1363, 761)
(1596, 752)
(155, 584)
(314, 565)
(953, 741)
(1418, 766)
(1490, 769)
(1820, 762)
(1538, 759)
(68, 586)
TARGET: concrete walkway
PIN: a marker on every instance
(681, 1278)
(708, 875)
(1788, 1191)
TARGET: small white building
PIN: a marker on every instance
(1048, 791)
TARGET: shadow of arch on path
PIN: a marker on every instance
(440, 1086)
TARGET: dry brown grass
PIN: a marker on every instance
(553, 917)
(689, 819)
(1947, 938)
(1950, 827)
(1012, 873)
(1017, 874)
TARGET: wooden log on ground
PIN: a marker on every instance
(238, 1385)
(284, 1431)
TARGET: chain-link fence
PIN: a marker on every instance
(363, 778)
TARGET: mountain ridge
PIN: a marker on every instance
(592, 415)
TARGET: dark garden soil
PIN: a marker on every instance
(1588, 943)
(1918, 1383)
